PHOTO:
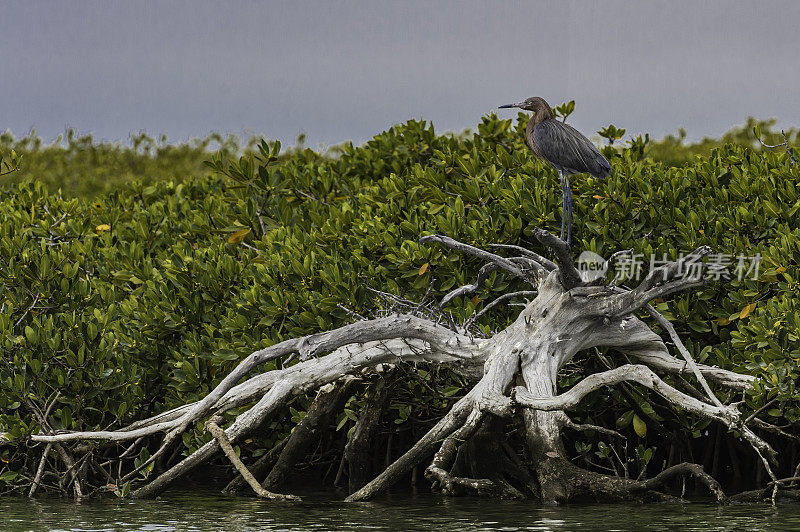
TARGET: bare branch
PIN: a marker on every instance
(570, 278)
(583, 427)
(769, 427)
(329, 401)
(227, 448)
(498, 300)
(439, 338)
(545, 263)
(455, 418)
(501, 262)
(244, 424)
(40, 470)
(683, 351)
(687, 272)
(369, 354)
(358, 450)
(483, 274)
(784, 144)
(438, 471)
(70, 463)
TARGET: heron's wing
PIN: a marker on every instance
(566, 148)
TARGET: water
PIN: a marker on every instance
(207, 510)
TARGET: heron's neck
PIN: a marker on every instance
(541, 115)
(538, 117)
(529, 137)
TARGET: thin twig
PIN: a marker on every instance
(757, 412)
(785, 144)
(35, 300)
(498, 300)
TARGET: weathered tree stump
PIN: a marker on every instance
(515, 374)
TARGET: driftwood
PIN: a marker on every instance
(515, 370)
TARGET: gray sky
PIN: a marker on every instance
(348, 70)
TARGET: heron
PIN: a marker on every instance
(564, 147)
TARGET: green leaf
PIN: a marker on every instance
(639, 426)
(238, 236)
(9, 476)
(31, 335)
(625, 419)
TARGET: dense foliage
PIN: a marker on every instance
(141, 299)
(80, 166)
(675, 151)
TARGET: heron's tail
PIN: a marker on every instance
(602, 166)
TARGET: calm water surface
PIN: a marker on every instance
(206, 510)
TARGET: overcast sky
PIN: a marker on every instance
(348, 70)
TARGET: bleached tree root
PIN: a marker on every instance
(769, 495)
(729, 416)
(515, 373)
(259, 469)
(579, 485)
(438, 472)
(448, 347)
(244, 424)
(684, 469)
(229, 451)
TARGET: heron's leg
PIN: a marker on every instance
(563, 203)
(569, 209)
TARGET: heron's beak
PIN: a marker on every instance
(508, 106)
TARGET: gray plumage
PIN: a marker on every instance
(568, 151)
(564, 147)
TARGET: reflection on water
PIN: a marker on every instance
(206, 510)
